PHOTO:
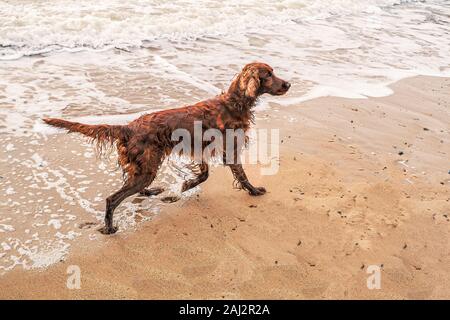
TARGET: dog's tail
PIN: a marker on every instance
(103, 134)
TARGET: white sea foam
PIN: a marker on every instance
(180, 52)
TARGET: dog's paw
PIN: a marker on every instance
(170, 199)
(259, 191)
(108, 230)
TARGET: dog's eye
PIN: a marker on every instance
(269, 74)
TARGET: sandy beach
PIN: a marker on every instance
(361, 182)
(358, 201)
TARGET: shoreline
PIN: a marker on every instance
(372, 173)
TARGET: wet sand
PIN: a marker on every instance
(361, 182)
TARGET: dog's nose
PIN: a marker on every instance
(286, 85)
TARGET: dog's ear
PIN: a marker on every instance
(250, 82)
(252, 86)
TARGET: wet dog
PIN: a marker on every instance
(143, 144)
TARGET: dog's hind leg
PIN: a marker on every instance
(139, 177)
(132, 186)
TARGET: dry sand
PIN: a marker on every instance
(361, 182)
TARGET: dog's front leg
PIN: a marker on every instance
(241, 177)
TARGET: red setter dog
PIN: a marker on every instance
(145, 142)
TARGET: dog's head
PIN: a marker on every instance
(258, 78)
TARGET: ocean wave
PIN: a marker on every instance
(39, 27)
